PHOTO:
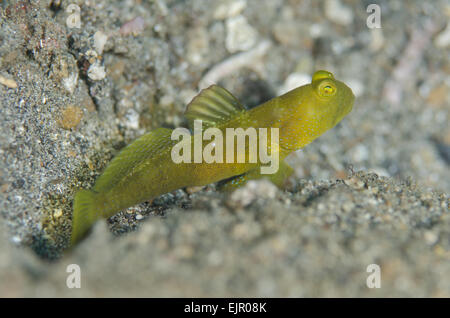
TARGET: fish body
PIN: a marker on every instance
(145, 169)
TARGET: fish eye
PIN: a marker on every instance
(326, 89)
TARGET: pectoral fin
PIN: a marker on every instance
(278, 178)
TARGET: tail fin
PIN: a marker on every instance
(84, 214)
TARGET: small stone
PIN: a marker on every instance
(377, 39)
(374, 190)
(348, 206)
(72, 154)
(191, 190)
(316, 30)
(287, 32)
(426, 196)
(254, 189)
(10, 83)
(355, 183)
(134, 27)
(166, 101)
(89, 104)
(132, 119)
(438, 95)
(294, 80)
(91, 56)
(338, 13)
(64, 69)
(4, 188)
(360, 153)
(430, 237)
(184, 251)
(214, 258)
(197, 46)
(57, 213)
(241, 36)
(442, 40)
(116, 70)
(96, 71)
(228, 9)
(356, 86)
(380, 171)
(70, 82)
(16, 239)
(71, 117)
(100, 39)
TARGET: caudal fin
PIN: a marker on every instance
(84, 215)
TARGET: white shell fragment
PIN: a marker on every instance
(100, 39)
(241, 36)
(96, 72)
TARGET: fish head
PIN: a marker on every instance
(330, 100)
(313, 109)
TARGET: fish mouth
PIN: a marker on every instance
(346, 107)
(350, 103)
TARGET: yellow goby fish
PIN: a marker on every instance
(145, 169)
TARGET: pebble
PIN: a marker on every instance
(287, 32)
(57, 213)
(316, 30)
(134, 27)
(355, 183)
(338, 13)
(254, 189)
(116, 69)
(241, 36)
(131, 119)
(70, 82)
(96, 71)
(228, 9)
(442, 40)
(64, 69)
(438, 95)
(356, 86)
(100, 39)
(10, 83)
(430, 237)
(166, 101)
(360, 153)
(294, 80)
(250, 59)
(377, 39)
(348, 206)
(194, 189)
(88, 104)
(70, 117)
(198, 46)
(16, 239)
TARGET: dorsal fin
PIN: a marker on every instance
(131, 156)
(212, 105)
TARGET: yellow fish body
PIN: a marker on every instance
(145, 169)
